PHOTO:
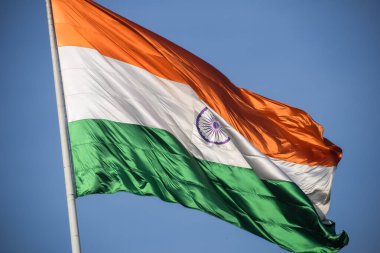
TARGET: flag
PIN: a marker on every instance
(147, 117)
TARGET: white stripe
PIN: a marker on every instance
(315, 182)
(98, 87)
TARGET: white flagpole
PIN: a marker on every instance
(66, 155)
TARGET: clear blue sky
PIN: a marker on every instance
(322, 56)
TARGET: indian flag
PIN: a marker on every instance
(146, 116)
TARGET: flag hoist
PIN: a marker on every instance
(139, 114)
(63, 131)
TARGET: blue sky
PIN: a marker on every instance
(322, 56)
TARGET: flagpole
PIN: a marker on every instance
(62, 118)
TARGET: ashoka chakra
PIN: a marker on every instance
(210, 129)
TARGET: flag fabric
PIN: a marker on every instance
(146, 116)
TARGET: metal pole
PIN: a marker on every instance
(63, 130)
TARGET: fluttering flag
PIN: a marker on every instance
(146, 116)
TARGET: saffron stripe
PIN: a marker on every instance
(277, 130)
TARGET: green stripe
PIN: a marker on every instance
(110, 157)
